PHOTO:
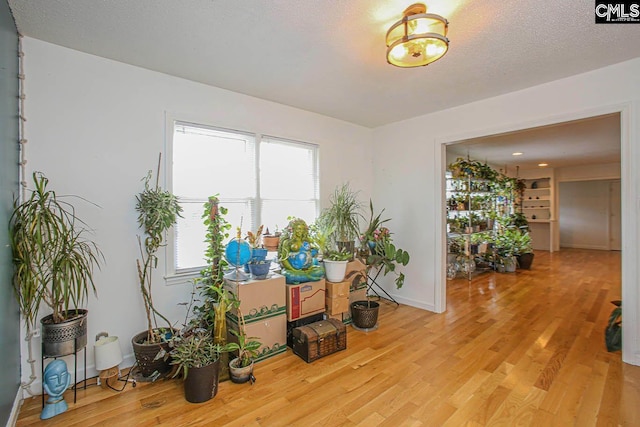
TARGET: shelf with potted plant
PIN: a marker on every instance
(487, 196)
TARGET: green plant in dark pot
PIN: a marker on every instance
(54, 263)
(158, 210)
(198, 359)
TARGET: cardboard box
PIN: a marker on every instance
(271, 332)
(358, 295)
(305, 299)
(356, 274)
(343, 317)
(338, 290)
(259, 299)
(336, 305)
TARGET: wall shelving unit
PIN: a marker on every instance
(539, 207)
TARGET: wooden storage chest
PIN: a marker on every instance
(319, 339)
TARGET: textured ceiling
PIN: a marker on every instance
(328, 56)
(580, 142)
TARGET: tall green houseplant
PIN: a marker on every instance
(343, 216)
(54, 261)
(216, 299)
(158, 210)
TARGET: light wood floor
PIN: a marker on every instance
(511, 350)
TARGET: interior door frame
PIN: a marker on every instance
(630, 204)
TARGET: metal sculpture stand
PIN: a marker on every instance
(371, 282)
(75, 368)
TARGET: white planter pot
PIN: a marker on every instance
(335, 270)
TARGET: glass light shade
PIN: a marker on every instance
(417, 39)
(107, 352)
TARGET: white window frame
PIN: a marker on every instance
(174, 276)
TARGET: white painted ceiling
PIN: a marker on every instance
(328, 56)
(581, 142)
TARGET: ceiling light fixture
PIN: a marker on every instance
(418, 39)
(517, 153)
(542, 165)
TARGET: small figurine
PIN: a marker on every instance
(56, 380)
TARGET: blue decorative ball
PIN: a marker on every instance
(237, 252)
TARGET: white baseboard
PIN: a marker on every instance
(578, 246)
(413, 303)
(15, 410)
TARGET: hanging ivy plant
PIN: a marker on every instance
(464, 168)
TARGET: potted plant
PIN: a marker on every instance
(198, 359)
(259, 268)
(383, 253)
(321, 232)
(335, 265)
(343, 215)
(505, 246)
(522, 249)
(241, 367)
(255, 242)
(364, 314)
(271, 241)
(368, 238)
(258, 252)
(54, 263)
(216, 300)
(158, 211)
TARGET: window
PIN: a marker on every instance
(259, 179)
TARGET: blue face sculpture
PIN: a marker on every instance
(56, 380)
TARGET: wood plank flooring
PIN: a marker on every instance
(519, 349)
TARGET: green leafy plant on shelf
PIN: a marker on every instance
(464, 168)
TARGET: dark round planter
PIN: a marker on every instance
(61, 339)
(525, 260)
(146, 355)
(364, 314)
(201, 384)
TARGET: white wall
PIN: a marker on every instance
(96, 126)
(584, 214)
(409, 155)
(588, 172)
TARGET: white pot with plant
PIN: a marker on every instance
(335, 265)
(241, 368)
